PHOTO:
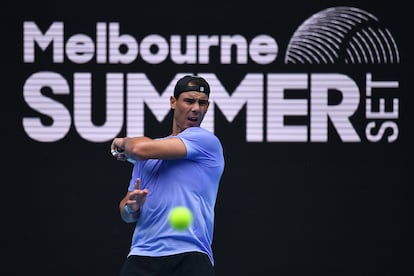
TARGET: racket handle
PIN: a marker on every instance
(118, 151)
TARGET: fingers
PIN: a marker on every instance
(113, 145)
(137, 197)
(137, 184)
(113, 148)
(117, 145)
(137, 192)
(117, 151)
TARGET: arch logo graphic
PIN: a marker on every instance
(342, 35)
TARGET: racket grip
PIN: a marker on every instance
(118, 151)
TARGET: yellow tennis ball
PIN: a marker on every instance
(180, 218)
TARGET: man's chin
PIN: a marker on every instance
(193, 124)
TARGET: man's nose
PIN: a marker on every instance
(195, 106)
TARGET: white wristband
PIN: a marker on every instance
(128, 210)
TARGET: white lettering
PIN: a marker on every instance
(190, 55)
(282, 102)
(80, 49)
(278, 107)
(32, 34)
(139, 91)
(117, 48)
(339, 115)
(83, 107)
(159, 44)
(381, 131)
(117, 41)
(57, 112)
(263, 49)
(248, 94)
(240, 43)
(375, 108)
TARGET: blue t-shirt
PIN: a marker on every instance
(193, 182)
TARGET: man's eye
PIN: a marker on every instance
(190, 101)
(200, 102)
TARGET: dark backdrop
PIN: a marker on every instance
(331, 208)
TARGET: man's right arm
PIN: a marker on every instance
(143, 148)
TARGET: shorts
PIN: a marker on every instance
(183, 264)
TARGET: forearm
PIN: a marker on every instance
(143, 148)
(129, 146)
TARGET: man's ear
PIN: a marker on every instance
(173, 102)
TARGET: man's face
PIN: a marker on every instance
(189, 109)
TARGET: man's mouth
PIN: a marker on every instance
(193, 119)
